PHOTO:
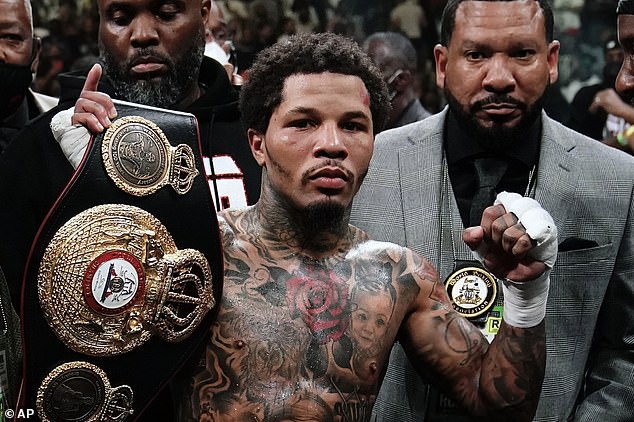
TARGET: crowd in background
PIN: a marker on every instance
(69, 32)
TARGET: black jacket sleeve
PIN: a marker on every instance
(33, 172)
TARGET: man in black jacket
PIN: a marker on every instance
(152, 53)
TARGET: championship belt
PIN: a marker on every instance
(124, 273)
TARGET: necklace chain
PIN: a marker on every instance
(530, 191)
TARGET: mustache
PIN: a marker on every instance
(327, 163)
(149, 52)
(497, 99)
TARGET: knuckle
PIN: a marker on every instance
(524, 242)
(499, 225)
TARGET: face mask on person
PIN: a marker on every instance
(14, 82)
(215, 51)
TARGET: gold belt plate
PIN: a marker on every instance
(112, 276)
(140, 160)
(81, 392)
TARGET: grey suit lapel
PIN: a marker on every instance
(429, 205)
(557, 174)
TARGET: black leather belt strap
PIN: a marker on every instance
(189, 216)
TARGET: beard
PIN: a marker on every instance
(498, 136)
(165, 91)
(321, 217)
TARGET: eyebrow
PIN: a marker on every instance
(117, 5)
(346, 116)
(12, 25)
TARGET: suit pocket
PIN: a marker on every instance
(574, 243)
(577, 287)
(572, 254)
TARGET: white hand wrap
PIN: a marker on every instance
(73, 139)
(538, 223)
(525, 303)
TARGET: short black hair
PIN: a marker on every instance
(448, 20)
(625, 7)
(308, 53)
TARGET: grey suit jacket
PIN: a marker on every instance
(588, 189)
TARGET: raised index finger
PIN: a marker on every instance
(93, 77)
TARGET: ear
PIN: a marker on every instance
(35, 56)
(256, 142)
(404, 80)
(553, 59)
(204, 11)
(440, 56)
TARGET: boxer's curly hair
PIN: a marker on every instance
(309, 53)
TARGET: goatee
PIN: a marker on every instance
(322, 217)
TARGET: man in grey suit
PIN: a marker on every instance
(494, 63)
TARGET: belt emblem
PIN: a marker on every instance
(81, 392)
(112, 276)
(140, 160)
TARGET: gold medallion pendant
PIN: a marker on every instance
(112, 276)
(472, 291)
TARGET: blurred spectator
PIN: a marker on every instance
(265, 11)
(247, 46)
(409, 18)
(352, 12)
(555, 104)
(597, 21)
(217, 46)
(396, 56)
(53, 60)
(583, 73)
(426, 89)
(234, 9)
(87, 37)
(322, 9)
(19, 55)
(341, 21)
(288, 28)
(305, 15)
(566, 13)
(597, 110)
